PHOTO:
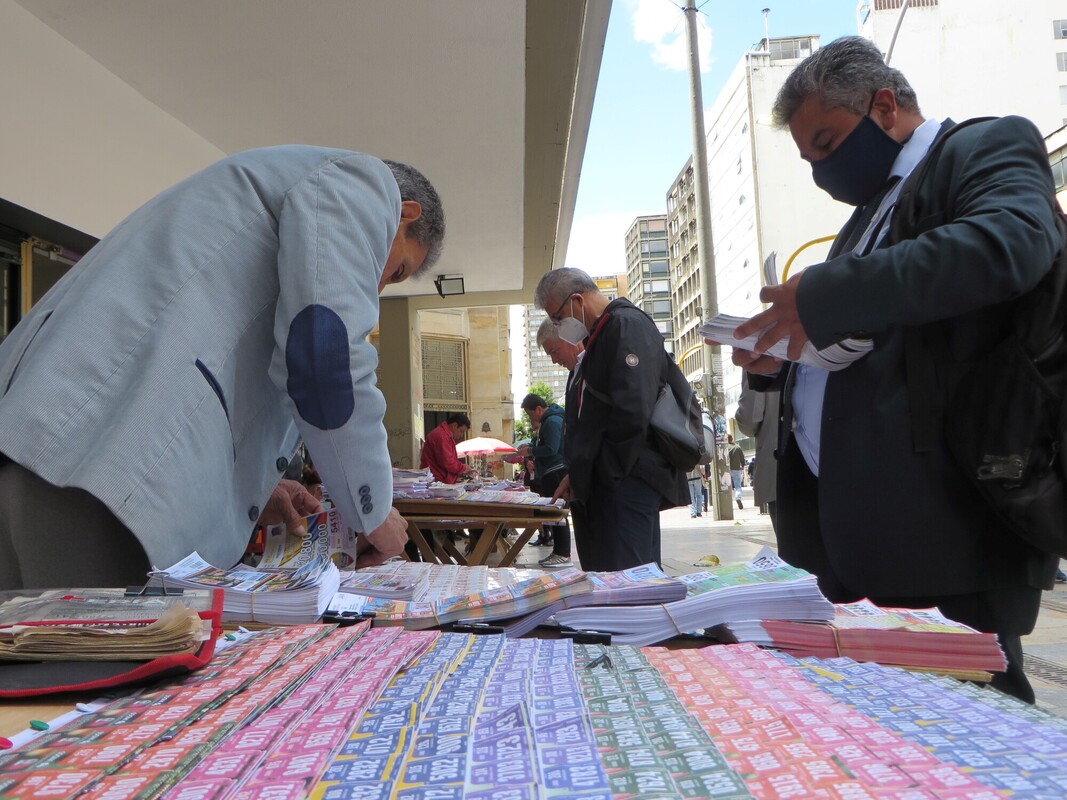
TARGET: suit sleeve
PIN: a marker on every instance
(997, 240)
(335, 230)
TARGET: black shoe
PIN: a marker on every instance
(739, 503)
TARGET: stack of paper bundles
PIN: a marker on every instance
(277, 597)
(500, 603)
(643, 585)
(765, 588)
(864, 632)
(389, 586)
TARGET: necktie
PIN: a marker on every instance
(862, 218)
(846, 242)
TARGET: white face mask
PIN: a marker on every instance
(571, 330)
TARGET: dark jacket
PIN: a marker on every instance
(893, 521)
(547, 446)
(607, 441)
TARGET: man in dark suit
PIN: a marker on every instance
(859, 504)
(612, 464)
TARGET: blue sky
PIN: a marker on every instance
(639, 136)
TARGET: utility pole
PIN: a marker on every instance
(714, 400)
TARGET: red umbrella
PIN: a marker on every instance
(483, 445)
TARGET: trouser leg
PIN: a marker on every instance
(62, 537)
(624, 524)
(696, 497)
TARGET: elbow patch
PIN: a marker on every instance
(320, 372)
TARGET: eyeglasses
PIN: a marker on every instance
(556, 317)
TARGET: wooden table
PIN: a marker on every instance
(435, 515)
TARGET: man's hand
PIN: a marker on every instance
(386, 541)
(289, 503)
(564, 490)
(755, 363)
(779, 321)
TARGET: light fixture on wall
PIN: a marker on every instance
(448, 285)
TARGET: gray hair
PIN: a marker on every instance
(559, 283)
(844, 74)
(429, 228)
(548, 332)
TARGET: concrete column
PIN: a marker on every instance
(400, 379)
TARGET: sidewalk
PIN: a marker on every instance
(686, 540)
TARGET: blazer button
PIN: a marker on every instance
(282, 464)
(253, 513)
(367, 508)
(364, 490)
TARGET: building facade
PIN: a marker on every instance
(648, 275)
(764, 206)
(969, 58)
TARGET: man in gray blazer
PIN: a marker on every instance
(859, 504)
(149, 402)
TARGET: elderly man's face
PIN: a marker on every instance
(818, 129)
(563, 354)
(406, 254)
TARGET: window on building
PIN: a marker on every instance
(444, 371)
(1061, 62)
(1059, 27)
(1059, 167)
(659, 286)
(1063, 95)
(659, 268)
(661, 308)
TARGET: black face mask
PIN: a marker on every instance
(859, 166)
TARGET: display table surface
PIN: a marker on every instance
(434, 516)
(321, 713)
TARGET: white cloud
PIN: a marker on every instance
(661, 24)
(598, 242)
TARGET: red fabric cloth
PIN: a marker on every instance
(439, 454)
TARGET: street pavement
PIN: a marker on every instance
(686, 540)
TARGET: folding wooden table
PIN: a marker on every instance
(432, 516)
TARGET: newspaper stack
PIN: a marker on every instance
(278, 597)
(629, 587)
(862, 631)
(765, 588)
(837, 356)
(411, 482)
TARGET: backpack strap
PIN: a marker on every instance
(920, 364)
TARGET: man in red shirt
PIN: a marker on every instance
(439, 449)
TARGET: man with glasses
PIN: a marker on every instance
(613, 467)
